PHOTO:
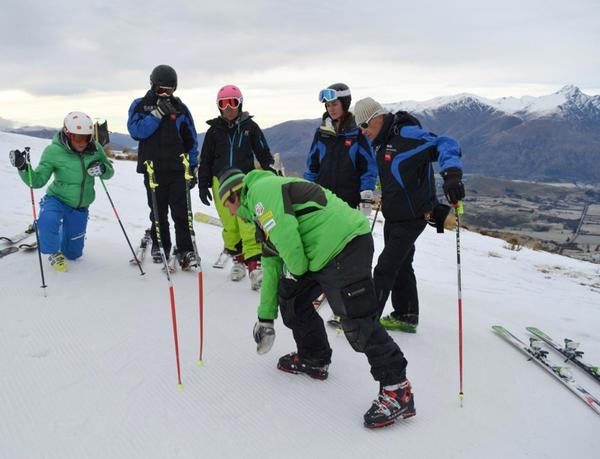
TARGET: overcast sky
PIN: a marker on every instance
(96, 57)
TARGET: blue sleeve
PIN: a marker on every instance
(446, 150)
(141, 125)
(368, 178)
(193, 151)
(313, 160)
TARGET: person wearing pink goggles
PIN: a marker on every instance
(234, 140)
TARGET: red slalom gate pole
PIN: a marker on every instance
(458, 210)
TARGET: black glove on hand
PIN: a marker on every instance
(96, 169)
(453, 185)
(19, 159)
(165, 106)
(205, 195)
(194, 180)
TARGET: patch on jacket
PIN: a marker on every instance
(347, 143)
(269, 224)
(259, 208)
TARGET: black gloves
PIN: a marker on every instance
(205, 195)
(96, 169)
(194, 179)
(165, 106)
(453, 185)
(19, 159)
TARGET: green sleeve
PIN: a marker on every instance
(272, 268)
(41, 174)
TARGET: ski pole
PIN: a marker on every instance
(375, 218)
(459, 210)
(122, 227)
(152, 183)
(188, 177)
(35, 221)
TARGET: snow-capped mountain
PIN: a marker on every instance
(569, 102)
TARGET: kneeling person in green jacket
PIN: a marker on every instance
(314, 242)
(75, 159)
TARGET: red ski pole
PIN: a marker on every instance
(458, 211)
(152, 183)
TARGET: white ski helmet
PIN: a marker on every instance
(78, 123)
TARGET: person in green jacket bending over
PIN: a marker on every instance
(314, 242)
(75, 159)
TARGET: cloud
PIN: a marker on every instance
(391, 49)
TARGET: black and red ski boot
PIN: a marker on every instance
(393, 402)
(292, 363)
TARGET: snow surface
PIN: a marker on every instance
(89, 371)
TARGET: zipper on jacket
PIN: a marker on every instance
(82, 181)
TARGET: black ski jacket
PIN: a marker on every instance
(162, 140)
(405, 153)
(342, 162)
(232, 145)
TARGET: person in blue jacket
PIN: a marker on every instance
(405, 153)
(165, 129)
(341, 158)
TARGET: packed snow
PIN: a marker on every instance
(89, 370)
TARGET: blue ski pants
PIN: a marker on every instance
(61, 228)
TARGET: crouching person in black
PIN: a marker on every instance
(317, 243)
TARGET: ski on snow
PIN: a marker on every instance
(569, 351)
(15, 248)
(140, 253)
(540, 356)
(20, 236)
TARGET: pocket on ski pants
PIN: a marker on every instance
(359, 299)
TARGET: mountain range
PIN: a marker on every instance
(552, 137)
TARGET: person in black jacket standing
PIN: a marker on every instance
(405, 153)
(234, 140)
(340, 157)
(165, 129)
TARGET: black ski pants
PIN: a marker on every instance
(348, 284)
(170, 193)
(394, 271)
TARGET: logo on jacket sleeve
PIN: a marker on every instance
(259, 208)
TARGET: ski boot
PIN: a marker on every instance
(238, 270)
(255, 274)
(407, 322)
(292, 363)
(187, 261)
(58, 262)
(392, 402)
(155, 254)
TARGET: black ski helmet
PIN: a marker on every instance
(345, 100)
(163, 75)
